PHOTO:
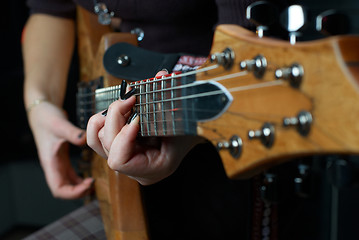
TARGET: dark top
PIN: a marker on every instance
(181, 26)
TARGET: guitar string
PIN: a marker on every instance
(212, 93)
(116, 88)
(112, 89)
(206, 94)
(239, 74)
(146, 81)
(244, 88)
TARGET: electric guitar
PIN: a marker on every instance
(261, 102)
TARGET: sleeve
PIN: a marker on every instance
(59, 8)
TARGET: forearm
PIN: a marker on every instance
(48, 45)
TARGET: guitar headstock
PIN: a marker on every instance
(288, 100)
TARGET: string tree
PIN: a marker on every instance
(262, 14)
(224, 58)
(258, 66)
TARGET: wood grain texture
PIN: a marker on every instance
(329, 91)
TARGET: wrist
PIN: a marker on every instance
(35, 103)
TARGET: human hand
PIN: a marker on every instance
(52, 132)
(146, 160)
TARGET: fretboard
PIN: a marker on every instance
(167, 106)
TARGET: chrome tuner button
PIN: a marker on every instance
(257, 65)
(234, 146)
(225, 58)
(302, 122)
(294, 74)
(265, 134)
(293, 19)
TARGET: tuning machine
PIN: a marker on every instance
(224, 58)
(234, 146)
(302, 122)
(262, 14)
(293, 19)
(265, 134)
(257, 65)
(294, 74)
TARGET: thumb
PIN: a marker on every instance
(75, 135)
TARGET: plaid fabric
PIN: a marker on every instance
(84, 223)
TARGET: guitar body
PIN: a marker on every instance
(329, 90)
(119, 196)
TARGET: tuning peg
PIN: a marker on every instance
(234, 146)
(293, 20)
(262, 14)
(303, 122)
(265, 134)
(293, 74)
(332, 22)
(257, 65)
(302, 181)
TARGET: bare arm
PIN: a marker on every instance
(47, 49)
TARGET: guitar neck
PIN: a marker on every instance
(167, 106)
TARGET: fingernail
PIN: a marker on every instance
(81, 134)
(123, 89)
(165, 69)
(132, 117)
(104, 113)
(129, 94)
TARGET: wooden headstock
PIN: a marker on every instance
(314, 109)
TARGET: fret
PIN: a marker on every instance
(164, 104)
(147, 108)
(173, 106)
(164, 125)
(154, 99)
(105, 96)
(142, 109)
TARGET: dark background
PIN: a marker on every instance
(26, 203)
